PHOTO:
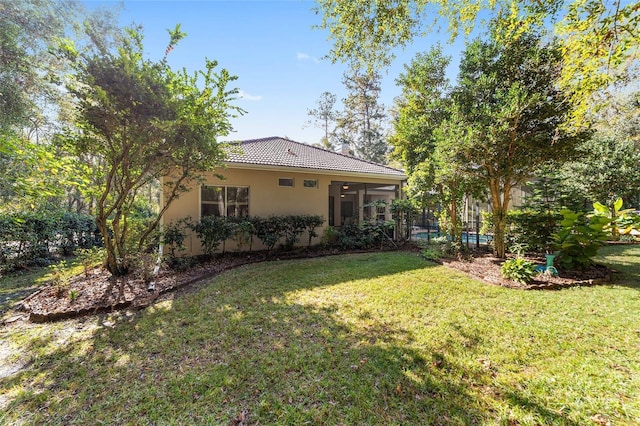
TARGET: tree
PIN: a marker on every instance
(324, 117)
(33, 171)
(428, 136)
(514, 114)
(144, 121)
(421, 108)
(503, 120)
(361, 123)
(606, 168)
(600, 38)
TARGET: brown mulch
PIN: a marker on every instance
(485, 267)
(96, 291)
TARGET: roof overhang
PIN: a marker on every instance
(266, 167)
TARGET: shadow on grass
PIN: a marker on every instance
(249, 348)
(14, 287)
(625, 259)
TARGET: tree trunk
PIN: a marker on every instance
(500, 197)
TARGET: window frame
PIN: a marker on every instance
(281, 179)
(225, 199)
(314, 186)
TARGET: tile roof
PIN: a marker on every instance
(281, 152)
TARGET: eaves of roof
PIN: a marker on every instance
(275, 153)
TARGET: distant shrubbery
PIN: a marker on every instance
(357, 237)
(36, 238)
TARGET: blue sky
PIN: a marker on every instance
(272, 48)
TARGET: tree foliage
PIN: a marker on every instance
(503, 120)
(361, 124)
(143, 121)
(324, 116)
(34, 171)
(600, 38)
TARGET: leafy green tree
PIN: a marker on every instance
(427, 138)
(361, 123)
(606, 168)
(421, 108)
(324, 116)
(514, 114)
(505, 118)
(144, 121)
(600, 38)
(33, 171)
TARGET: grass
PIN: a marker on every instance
(382, 338)
(16, 286)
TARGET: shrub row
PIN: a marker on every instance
(212, 231)
(357, 237)
(35, 238)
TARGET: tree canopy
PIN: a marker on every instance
(141, 121)
(600, 39)
(503, 119)
(361, 124)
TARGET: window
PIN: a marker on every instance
(285, 182)
(310, 183)
(224, 201)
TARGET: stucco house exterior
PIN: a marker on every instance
(278, 176)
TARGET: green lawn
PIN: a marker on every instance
(382, 339)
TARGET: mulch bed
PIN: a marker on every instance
(96, 291)
(486, 267)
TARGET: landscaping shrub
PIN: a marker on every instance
(312, 222)
(579, 238)
(533, 229)
(404, 212)
(293, 226)
(35, 238)
(269, 230)
(330, 237)
(211, 231)
(242, 231)
(173, 236)
(358, 237)
(519, 270)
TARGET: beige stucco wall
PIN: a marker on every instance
(267, 198)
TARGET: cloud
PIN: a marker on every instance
(244, 95)
(306, 57)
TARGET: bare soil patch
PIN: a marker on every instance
(97, 291)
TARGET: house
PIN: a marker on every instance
(278, 176)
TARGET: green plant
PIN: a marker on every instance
(621, 222)
(579, 238)
(330, 236)
(431, 253)
(89, 257)
(242, 231)
(269, 230)
(173, 236)
(212, 230)
(518, 249)
(73, 295)
(404, 212)
(519, 270)
(534, 229)
(60, 277)
(312, 222)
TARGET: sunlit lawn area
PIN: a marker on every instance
(383, 338)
